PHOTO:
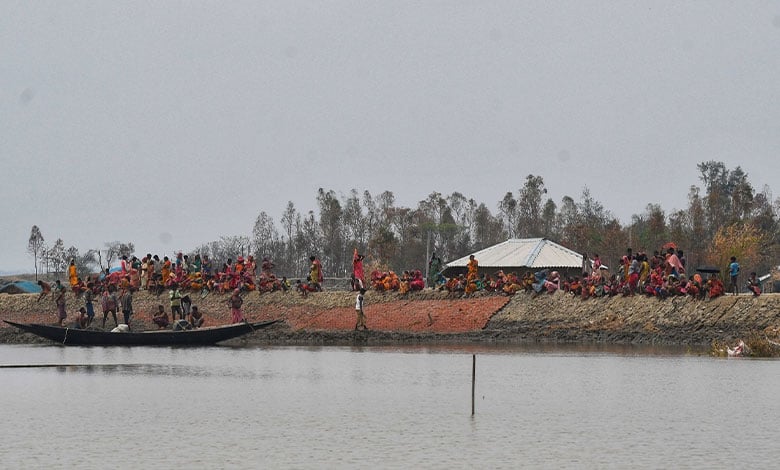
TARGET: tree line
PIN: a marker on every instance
(725, 216)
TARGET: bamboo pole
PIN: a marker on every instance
(473, 379)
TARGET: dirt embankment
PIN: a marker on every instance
(678, 320)
(329, 317)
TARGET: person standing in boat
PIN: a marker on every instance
(89, 297)
(109, 303)
(59, 301)
(127, 304)
(235, 303)
(186, 306)
(82, 320)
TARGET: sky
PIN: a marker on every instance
(170, 124)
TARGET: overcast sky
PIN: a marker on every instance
(169, 124)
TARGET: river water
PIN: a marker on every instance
(392, 407)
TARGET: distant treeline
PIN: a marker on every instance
(725, 217)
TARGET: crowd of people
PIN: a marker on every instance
(661, 275)
(179, 276)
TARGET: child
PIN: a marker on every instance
(734, 273)
(361, 317)
(302, 288)
(81, 319)
(754, 285)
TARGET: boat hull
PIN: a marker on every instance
(194, 337)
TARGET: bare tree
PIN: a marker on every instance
(115, 250)
(507, 213)
(265, 237)
(529, 207)
(57, 255)
(291, 221)
(35, 246)
(234, 246)
(354, 221)
(331, 226)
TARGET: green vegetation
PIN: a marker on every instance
(725, 217)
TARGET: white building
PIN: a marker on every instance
(520, 255)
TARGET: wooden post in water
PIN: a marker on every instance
(473, 379)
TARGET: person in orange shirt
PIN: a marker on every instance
(73, 275)
(473, 268)
(166, 270)
(315, 273)
(471, 276)
(403, 286)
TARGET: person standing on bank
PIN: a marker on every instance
(357, 271)
(59, 301)
(315, 273)
(361, 317)
(45, 289)
(434, 267)
(175, 297)
(587, 267)
(734, 274)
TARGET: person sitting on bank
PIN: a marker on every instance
(754, 285)
(161, 318)
(195, 317)
(303, 288)
(715, 287)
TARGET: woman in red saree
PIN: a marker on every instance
(357, 269)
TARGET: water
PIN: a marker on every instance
(384, 408)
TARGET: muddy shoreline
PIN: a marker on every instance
(437, 317)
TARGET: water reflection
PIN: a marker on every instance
(406, 407)
(539, 348)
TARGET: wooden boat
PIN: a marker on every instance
(194, 337)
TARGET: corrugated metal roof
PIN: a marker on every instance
(524, 253)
